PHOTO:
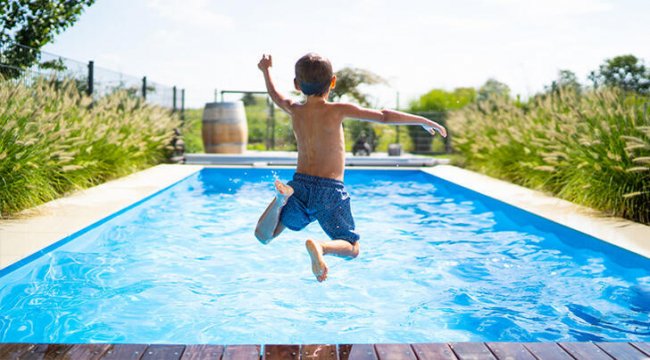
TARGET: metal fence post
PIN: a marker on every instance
(144, 88)
(268, 124)
(174, 103)
(91, 74)
(182, 107)
(272, 126)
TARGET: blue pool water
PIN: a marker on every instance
(438, 263)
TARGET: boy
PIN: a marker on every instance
(317, 191)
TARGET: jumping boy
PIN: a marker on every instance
(317, 191)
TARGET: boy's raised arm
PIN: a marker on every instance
(283, 102)
(393, 117)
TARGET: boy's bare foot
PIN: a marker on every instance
(283, 191)
(318, 265)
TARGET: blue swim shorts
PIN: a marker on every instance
(322, 199)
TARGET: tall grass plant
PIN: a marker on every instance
(54, 139)
(591, 148)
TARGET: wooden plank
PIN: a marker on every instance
(87, 351)
(281, 352)
(474, 351)
(241, 352)
(584, 350)
(124, 352)
(47, 351)
(199, 352)
(357, 352)
(14, 351)
(643, 346)
(621, 350)
(512, 351)
(163, 352)
(320, 352)
(433, 351)
(548, 351)
(394, 352)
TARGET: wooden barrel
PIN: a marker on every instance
(224, 128)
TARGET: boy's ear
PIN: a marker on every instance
(333, 83)
(295, 84)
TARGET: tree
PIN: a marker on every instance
(625, 72)
(493, 88)
(566, 80)
(27, 25)
(442, 100)
(348, 81)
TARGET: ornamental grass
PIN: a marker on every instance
(54, 139)
(591, 148)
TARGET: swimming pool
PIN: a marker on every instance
(438, 263)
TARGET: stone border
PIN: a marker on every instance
(44, 225)
(277, 158)
(623, 233)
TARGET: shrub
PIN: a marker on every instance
(54, 139)
(591, 148)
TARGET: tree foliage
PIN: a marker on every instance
(348, 81)
(626, 72)
(442, 100)
(493, 88)
(27, 25)
(566, 80)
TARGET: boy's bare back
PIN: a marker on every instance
(317, 125)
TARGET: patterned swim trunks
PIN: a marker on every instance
(322, 199)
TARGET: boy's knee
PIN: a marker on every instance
(262, 238)
(355, 250)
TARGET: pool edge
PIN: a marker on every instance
(38, 229)
(620, 232)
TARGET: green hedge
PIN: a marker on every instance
(53, 140)
(591, 148)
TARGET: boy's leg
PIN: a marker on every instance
(317, 250)
(269, 225)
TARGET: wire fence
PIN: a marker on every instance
(28, 65)
(269, 128)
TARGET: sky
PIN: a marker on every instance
(417, 45)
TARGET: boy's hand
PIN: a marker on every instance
(432, 130)
(265, 63)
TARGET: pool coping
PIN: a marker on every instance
(620, 232)
(41, 227)
(34, 230)
(290, 158)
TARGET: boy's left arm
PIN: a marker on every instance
(393, 117)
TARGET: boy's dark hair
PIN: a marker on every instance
(314, 74)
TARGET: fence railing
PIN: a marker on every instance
(96, 81)
(270, 129)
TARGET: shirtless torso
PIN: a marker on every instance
(318, 126)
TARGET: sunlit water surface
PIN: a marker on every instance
(438, 263)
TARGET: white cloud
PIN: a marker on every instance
(190, 13)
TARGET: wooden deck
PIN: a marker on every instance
(430, 351)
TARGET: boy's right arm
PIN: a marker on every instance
(283, 102)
